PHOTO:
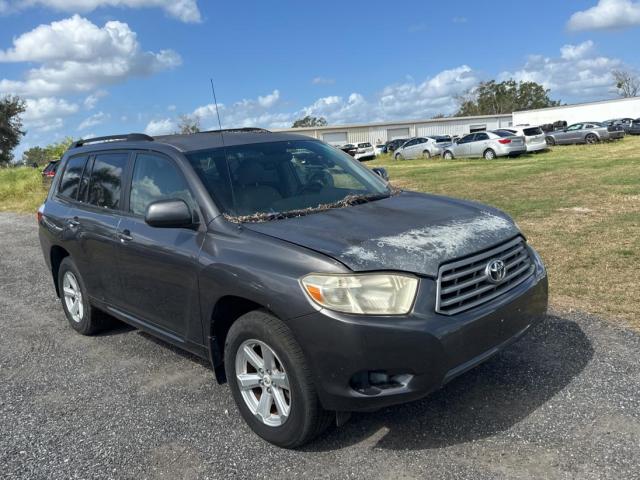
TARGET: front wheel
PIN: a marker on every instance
(489, 154)
(447, 155)
(398, 156)
(426, 154)
(271, 382)
(551, 142)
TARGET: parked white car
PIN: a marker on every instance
(364, 151)
(379, 149)
(534, 137)
(488, 145)
(419, 147)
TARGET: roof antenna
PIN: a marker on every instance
(224, 147)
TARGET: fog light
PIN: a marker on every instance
(375, 381)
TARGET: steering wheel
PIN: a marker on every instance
(317, 182)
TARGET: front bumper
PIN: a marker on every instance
(424, 349)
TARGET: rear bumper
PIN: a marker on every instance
(616, 135)
(536, 147)
(420, 352)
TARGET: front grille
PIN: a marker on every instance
(463, 284)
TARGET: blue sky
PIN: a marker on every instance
(93, 67)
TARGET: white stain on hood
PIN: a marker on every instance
(422, 249)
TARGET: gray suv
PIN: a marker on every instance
(311, 285)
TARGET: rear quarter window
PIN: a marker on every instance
(70, 182)
(106, 180)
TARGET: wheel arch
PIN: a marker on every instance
(225, 312)
(56, 255)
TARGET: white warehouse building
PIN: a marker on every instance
(386, 131)
(382, 132)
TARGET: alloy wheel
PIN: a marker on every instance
(72, 296)
(263, 382)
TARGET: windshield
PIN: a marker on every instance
(279, 179)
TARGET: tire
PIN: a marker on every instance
(398, 156)
(82, 317)
(426, 154)
(591, 138)
(489, 154)
(447, 155)
(551, 141)
(306, 418)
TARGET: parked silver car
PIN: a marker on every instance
(419, 147)
(534, 137)
(488, 145)
(586, 132)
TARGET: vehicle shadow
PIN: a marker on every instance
(487, 400)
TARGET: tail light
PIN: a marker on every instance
(39, 214)
(504, 141)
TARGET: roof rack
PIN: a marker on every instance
(129, 137)
(240, 130)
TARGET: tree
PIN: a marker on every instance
(628, 85)
(309, 121)
(188, 124)
(56, 150)
(37, 155)
(11, 107)
(492, 98)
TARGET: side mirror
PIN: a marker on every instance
(173, 213)
(381, 172)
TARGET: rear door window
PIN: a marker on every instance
(70, 182)
(481, 136)
(105, 186)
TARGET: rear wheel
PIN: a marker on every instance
(426, 154)
(591, 138)
(398, 156)
(447, 155)
(75, 301)
(550, 141)
(489, 154)
(271, 382)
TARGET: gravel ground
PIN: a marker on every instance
(562, 403)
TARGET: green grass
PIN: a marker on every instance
(579, 205)
(21, 189)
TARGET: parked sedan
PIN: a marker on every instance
(419, 147)
(380, 149)
(349, 148)
(587, 132)
(634, 129)
(534, 137)
(488, 145)
(393, 145)
(625, 123)
(364, 151)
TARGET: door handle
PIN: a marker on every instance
(125, 236)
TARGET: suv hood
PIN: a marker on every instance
(410, 232)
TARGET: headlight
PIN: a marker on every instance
(370, 294)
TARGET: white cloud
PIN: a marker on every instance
(400, 101)
(269, 100)
(46, 114)
(579, 73)
(459, 19)
(161, 127)
(184, 10)
(323, 81)
(92, 100)
(93, 120)
(607, 14)
(78, 56)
